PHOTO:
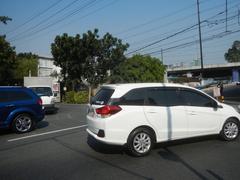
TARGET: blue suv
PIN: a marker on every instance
(20, 109)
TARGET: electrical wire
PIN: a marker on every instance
(35, 16)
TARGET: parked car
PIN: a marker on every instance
(140, 115)
(47, 96)
(20, 109)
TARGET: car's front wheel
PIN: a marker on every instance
(230, 130)
(23, 123)
(140, 142)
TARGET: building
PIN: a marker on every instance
(46, 67)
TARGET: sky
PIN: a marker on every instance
(165, 29)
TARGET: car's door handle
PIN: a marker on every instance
(10, 105)
(192, 113)
(151, 112)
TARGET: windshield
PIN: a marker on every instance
(42, 91)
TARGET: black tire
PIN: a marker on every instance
(144, 146)
(23, 123)
(230, 130)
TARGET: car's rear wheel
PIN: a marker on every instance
(23, 123)
(230, 130)
(140, 142)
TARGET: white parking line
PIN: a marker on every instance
(46, 133)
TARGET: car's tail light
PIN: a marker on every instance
(108, 110)
(39, 101)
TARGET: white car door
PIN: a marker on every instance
(203, 117)
(165, 113)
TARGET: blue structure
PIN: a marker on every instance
(235, 75)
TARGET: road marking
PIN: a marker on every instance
(46, 133)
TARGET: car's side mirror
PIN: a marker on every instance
(216, 105)
(55, 94)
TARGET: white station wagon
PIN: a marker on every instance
(142, 114)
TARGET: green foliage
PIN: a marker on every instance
(233, 54)
(73, 97)
(88, 56)
(7, 62)
(4, 19)
(26, 62)
(69, 97)
(81, 97)
(139, 69)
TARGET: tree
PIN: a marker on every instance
(26, 63)
(4, 19)
(7, 62)
(88, 57)
(139, 68)
(233, 54)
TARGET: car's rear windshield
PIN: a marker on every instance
(102, 97)
(42, 91)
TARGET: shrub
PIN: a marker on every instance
(69, 97)
(73, 97)
(81, 97)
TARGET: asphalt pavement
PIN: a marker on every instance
(60, 149)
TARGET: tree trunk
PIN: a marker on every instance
(89, 93)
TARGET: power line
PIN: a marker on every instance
(35, 16)
(86, 15)
(188, 37)
(157, 28)
(46, 19)
(170, 36)
(153, 20)
(159, 18)
(55, 22)
(217, 36)
(167, 24)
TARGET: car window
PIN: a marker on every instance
(102, 97)
(163, 97)
(192, 98)
(133, 97)
(9, 96)
(42, 91)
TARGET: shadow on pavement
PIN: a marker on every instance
(42, 124)
(169, 155)
(186, 141)
(104, 148)
(52, 112)
(5, 131)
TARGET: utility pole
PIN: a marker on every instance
(226, 11)
(200, 40)
(165, 78)
(162, 55)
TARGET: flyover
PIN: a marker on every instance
(229, 70)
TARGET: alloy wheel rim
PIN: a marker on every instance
(23, 123)
(231, 130)
(142, 142)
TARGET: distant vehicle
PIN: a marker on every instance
(20, 109)
(44, 86)
(47, 96)
(140, 115)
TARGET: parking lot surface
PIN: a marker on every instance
(59, 148)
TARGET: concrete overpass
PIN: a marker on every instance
(229, 70)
